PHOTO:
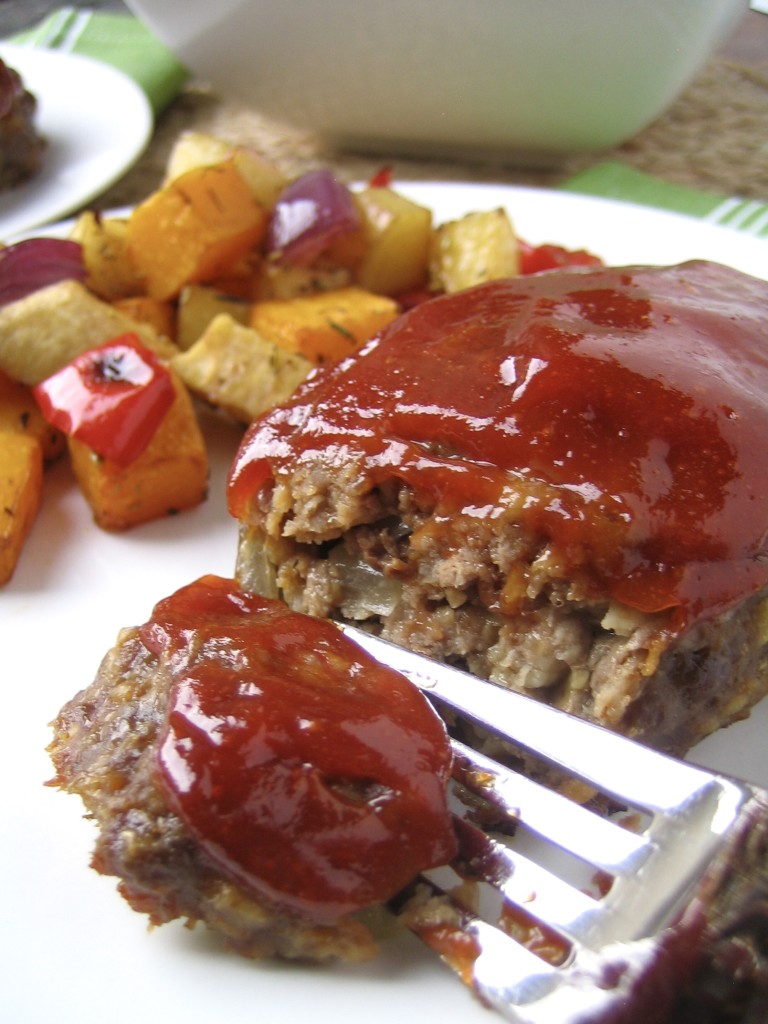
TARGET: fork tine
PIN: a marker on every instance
(530, 886)
(664, 863)
(686, 896)
(521, 986)
(621, 982)
(463, 940)
(571, 826)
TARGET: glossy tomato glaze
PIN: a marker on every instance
(309, 773)
(627, 409)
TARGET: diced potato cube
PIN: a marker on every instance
(45, 330)
(199, 305)
(104, 240)
(234, 368)
(158, 313)
(289, 282)
(325, 327)
(21, 488)
(169, 476)
(194, 229)
(265, 180)
(20, 414)
(197, 149)
(194, 149)
(398, 233)
(479, 247)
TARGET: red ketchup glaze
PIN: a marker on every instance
(310, 773)
(630, 406)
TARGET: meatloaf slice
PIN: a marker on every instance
(21, 146)
(556, 481)
(163, 752)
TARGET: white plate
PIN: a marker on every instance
(71, 950)
(96, 121)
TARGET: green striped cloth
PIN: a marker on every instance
(117, 39)
(614, 180)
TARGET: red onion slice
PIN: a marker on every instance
(310, 212)
(37, 262)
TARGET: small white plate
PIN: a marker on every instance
(96, 121)
(71, 949)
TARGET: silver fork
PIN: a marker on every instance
(554, 913)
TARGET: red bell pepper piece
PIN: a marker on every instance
(382, 178)
(112, 398)
(535, 258)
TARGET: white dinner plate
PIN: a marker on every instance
(71, 950)
(96, 122)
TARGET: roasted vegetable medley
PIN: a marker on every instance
(228, 285)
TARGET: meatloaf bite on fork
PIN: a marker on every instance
(557, 481)
(255, 770)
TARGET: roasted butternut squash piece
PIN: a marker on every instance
(169, 476)
(197, 149)
(158, 313)
(325, 327)
(20, 414)
(21, 488)
(194, 229)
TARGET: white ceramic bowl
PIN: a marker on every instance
(528, 79)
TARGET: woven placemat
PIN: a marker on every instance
(715, 137)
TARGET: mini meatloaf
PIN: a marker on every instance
(557, 481)
(21, 147)
(255, 770)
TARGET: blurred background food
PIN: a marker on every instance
(21, 145)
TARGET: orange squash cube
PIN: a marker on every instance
(21, 488)
(169, 476)
(194, 229)
(20, 414)
(158, 313)
(326, 327)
